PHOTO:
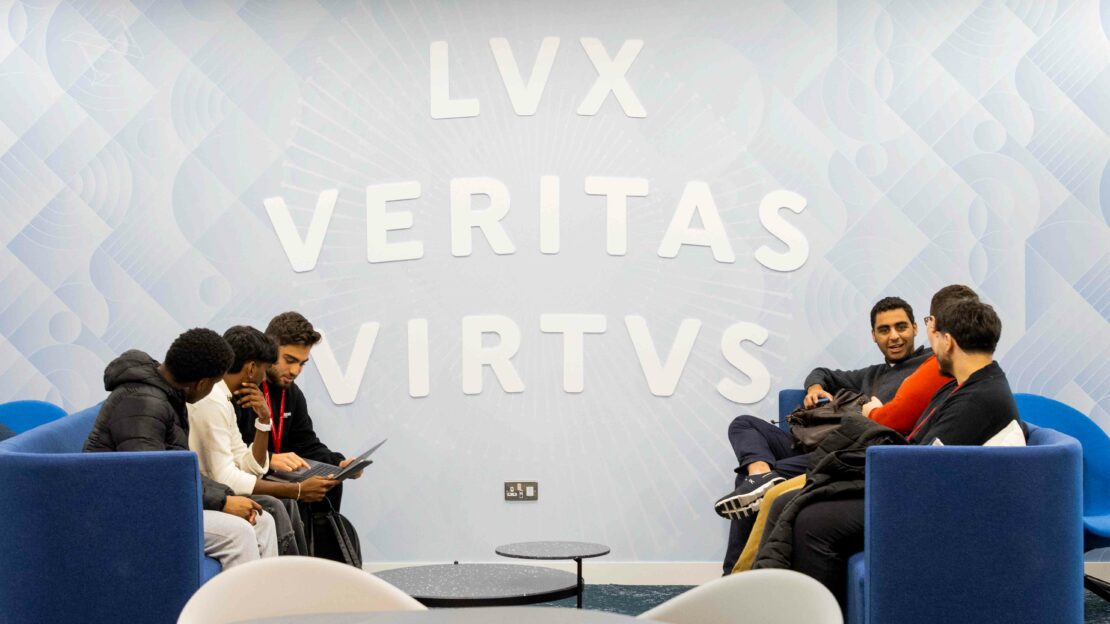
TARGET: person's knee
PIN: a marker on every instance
(740, 423)
(264, 523)
(266, 500)
(240, 535)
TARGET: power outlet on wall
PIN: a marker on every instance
(522, 490)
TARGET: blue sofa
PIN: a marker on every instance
(970, 534)
(97, 537)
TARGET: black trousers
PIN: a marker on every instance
(738, 531)
(826, 535)
(754, 439)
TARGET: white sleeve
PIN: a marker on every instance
(244, 458)
(212, 443)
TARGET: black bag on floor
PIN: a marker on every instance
(331, 535)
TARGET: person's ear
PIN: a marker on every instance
(946, 342)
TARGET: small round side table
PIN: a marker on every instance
(555, 550)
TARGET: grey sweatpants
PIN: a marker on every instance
(232, 540)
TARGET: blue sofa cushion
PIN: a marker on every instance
(65, 435)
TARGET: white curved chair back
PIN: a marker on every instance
(280, 586)
(754, 597)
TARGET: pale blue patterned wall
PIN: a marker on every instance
(935, 142)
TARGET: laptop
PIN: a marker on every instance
(322, 469)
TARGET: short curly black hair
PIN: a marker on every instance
(886, 304)
(198, 354)
(290, 328)
(250, 345)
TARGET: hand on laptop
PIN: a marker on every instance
(345, 463)
(287, 462)
(313, 489)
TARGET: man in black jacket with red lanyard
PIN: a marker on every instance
(292, 437)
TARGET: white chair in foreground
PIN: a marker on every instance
(292, 586)
(754, 597)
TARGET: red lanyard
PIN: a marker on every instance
(926, 419)
(278, 419)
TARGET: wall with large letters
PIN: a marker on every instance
(555, 241)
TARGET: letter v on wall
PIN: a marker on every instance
(302, 254)
(343, 386)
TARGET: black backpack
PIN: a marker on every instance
(330, 535)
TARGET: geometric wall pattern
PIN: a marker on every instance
(935, 142)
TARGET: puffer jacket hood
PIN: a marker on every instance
(143, 412)
(135, 367)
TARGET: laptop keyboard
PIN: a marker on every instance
(318, 470)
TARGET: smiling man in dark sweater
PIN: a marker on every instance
(766, 453)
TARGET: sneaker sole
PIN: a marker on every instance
(743, 505)
(735, 512)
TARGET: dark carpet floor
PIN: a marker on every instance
(635, 599)
(1095, 609)
(626, 599)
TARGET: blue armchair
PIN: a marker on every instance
(970, 534)
(20, 416)
(1046, 412)
(97, 537)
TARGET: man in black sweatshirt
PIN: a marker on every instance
(766, 453)
(292, 435)
(145, 411)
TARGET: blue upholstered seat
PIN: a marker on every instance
(19, 416)
(1046, 412)
(97, 537)
(970, 534)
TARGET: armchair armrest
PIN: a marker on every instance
(966, 534)
(112, 536)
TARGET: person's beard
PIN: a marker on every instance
(945, 365)
(273, 377)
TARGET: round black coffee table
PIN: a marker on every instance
(481, 584)
(556, 550)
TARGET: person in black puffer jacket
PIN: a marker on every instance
(145, 411)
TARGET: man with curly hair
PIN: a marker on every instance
(146, 411)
